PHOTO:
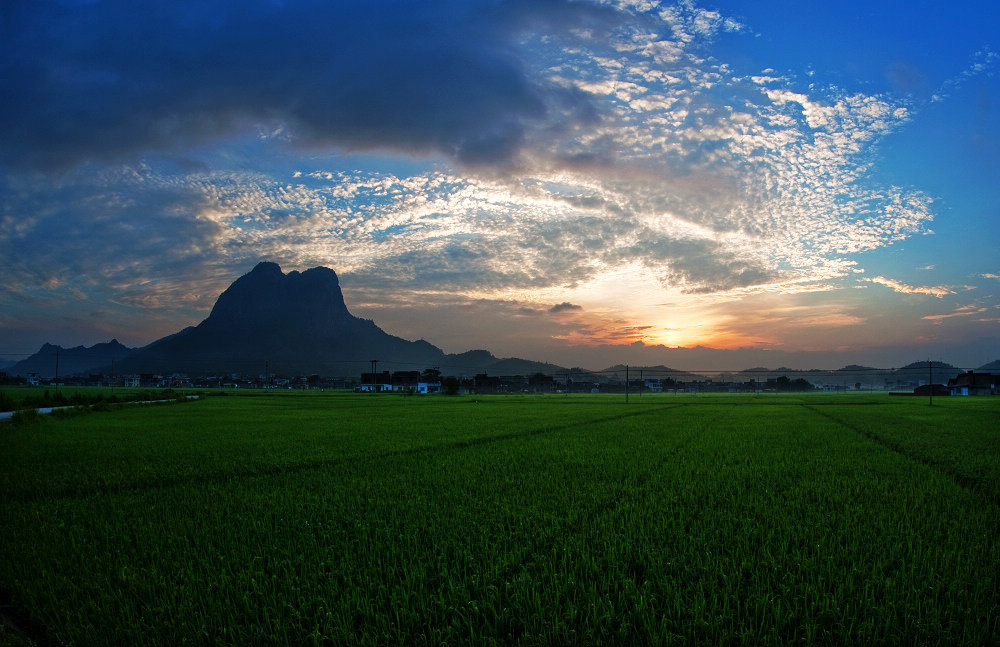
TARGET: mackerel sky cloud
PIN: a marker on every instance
(580, 178)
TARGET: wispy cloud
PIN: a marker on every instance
(903, 288)
(961, 311)
(983, 62)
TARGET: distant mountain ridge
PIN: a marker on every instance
(993, 366)
(298, 324)
(659, 372)
(70, 361)
(853, 374)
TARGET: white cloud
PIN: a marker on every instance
(934, 291)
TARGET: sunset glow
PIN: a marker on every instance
(813, 184)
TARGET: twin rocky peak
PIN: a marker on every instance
(294, 323)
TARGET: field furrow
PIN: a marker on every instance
(342, 520)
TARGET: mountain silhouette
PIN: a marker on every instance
(69, 361)
(294, 323)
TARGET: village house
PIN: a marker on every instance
(487, 383)
(428, 387)
(929, 390)
(377, 382)
(405, 380)
(972, 383)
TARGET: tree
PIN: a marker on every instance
(783, 383)
(451, 385)
(431, 375)
(800, 384)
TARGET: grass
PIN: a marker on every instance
(342, 519)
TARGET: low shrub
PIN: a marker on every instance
(25, 417)
(71, 412)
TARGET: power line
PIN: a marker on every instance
(215, 362)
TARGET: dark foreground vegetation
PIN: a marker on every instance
(21, 398)
(373, 519)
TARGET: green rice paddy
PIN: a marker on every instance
(371, 519)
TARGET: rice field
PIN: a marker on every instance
(334, 519)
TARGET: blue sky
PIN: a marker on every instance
(706, 186)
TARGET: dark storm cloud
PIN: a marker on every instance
(114, 78)
(565, 305)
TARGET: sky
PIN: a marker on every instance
(701, 185)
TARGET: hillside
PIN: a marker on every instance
(51, 359)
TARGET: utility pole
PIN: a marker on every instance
(267, 373)
(374, 378)
(930, 383)
(626, 384)
(57, 367)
